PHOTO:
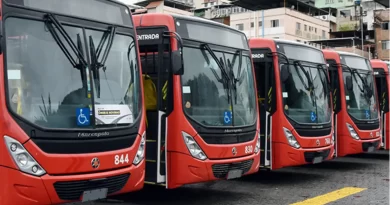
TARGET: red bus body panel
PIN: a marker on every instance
(283, 155)
(346, 145)
(19, 188)
(384, 66)
(182, 168)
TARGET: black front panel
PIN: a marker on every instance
(313, 131)
(228, 138)
(55, 146)
(366, 125)
(73, 190)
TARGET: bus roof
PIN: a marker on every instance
(376, 63)
(188, 18)
(255, 41)
(195, 28)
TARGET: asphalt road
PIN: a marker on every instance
(370, 172)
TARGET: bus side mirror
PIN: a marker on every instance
(284, 73)
(348, 81)
(177, 62)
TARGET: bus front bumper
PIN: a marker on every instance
(193, 171)
(349, 146)
(20, 188)
(288, 156)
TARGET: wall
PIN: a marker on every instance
(335, 3)
(382, 34)
(284, 30)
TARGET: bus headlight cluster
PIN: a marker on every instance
(141, 150)
(352, 132)
(257, 148)
(25, 162)
(291, 139)
(193, 147)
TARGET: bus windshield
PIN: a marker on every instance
(46, 88)
(361, 100)
(207, 97)
(305, 94)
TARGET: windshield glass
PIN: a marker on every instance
(45, 89)
(360, 105)
(206, 100)
(306, 96)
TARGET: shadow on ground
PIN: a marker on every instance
(380, 154)
(341, 165)
(152, 195)
(282, 177)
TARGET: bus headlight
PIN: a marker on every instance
(193, 147)
(25, 162)
(291, 139)
(141, 150)
(257, 148)
(352, 132)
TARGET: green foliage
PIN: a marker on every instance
(346, 27)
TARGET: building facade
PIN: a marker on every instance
(382, 34)
(284, 23)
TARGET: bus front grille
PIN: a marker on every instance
(73, 190)
(221, 170)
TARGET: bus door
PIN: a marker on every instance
(157, 84)
(264, 72)
(335, 87)
(383, 91)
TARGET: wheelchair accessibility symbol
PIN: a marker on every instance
(367, 114)
(227, 117)
(313, 116)
(83, 116)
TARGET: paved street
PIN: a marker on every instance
(366, 174)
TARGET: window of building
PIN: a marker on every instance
(298, 40)
(305, 26)
(240, 26)
(345, 13)
(323, 34)
(385, 26)
(260, 23)
(298, 26)
(385, 45)
(275, 23)
(315, 30)
(252, 24)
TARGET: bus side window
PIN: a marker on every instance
(335, 85)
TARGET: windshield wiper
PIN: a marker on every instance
(231, 71)
(365, 89)
(95, 55)
(50, 20)
(328, 85)
(225, 79)
(310, 85)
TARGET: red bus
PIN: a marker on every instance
(294, 101)
(382, 78)
(204, 125)
(71, 102)
(356, 116)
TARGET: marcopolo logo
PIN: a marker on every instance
(93, 134)
(148, 37)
